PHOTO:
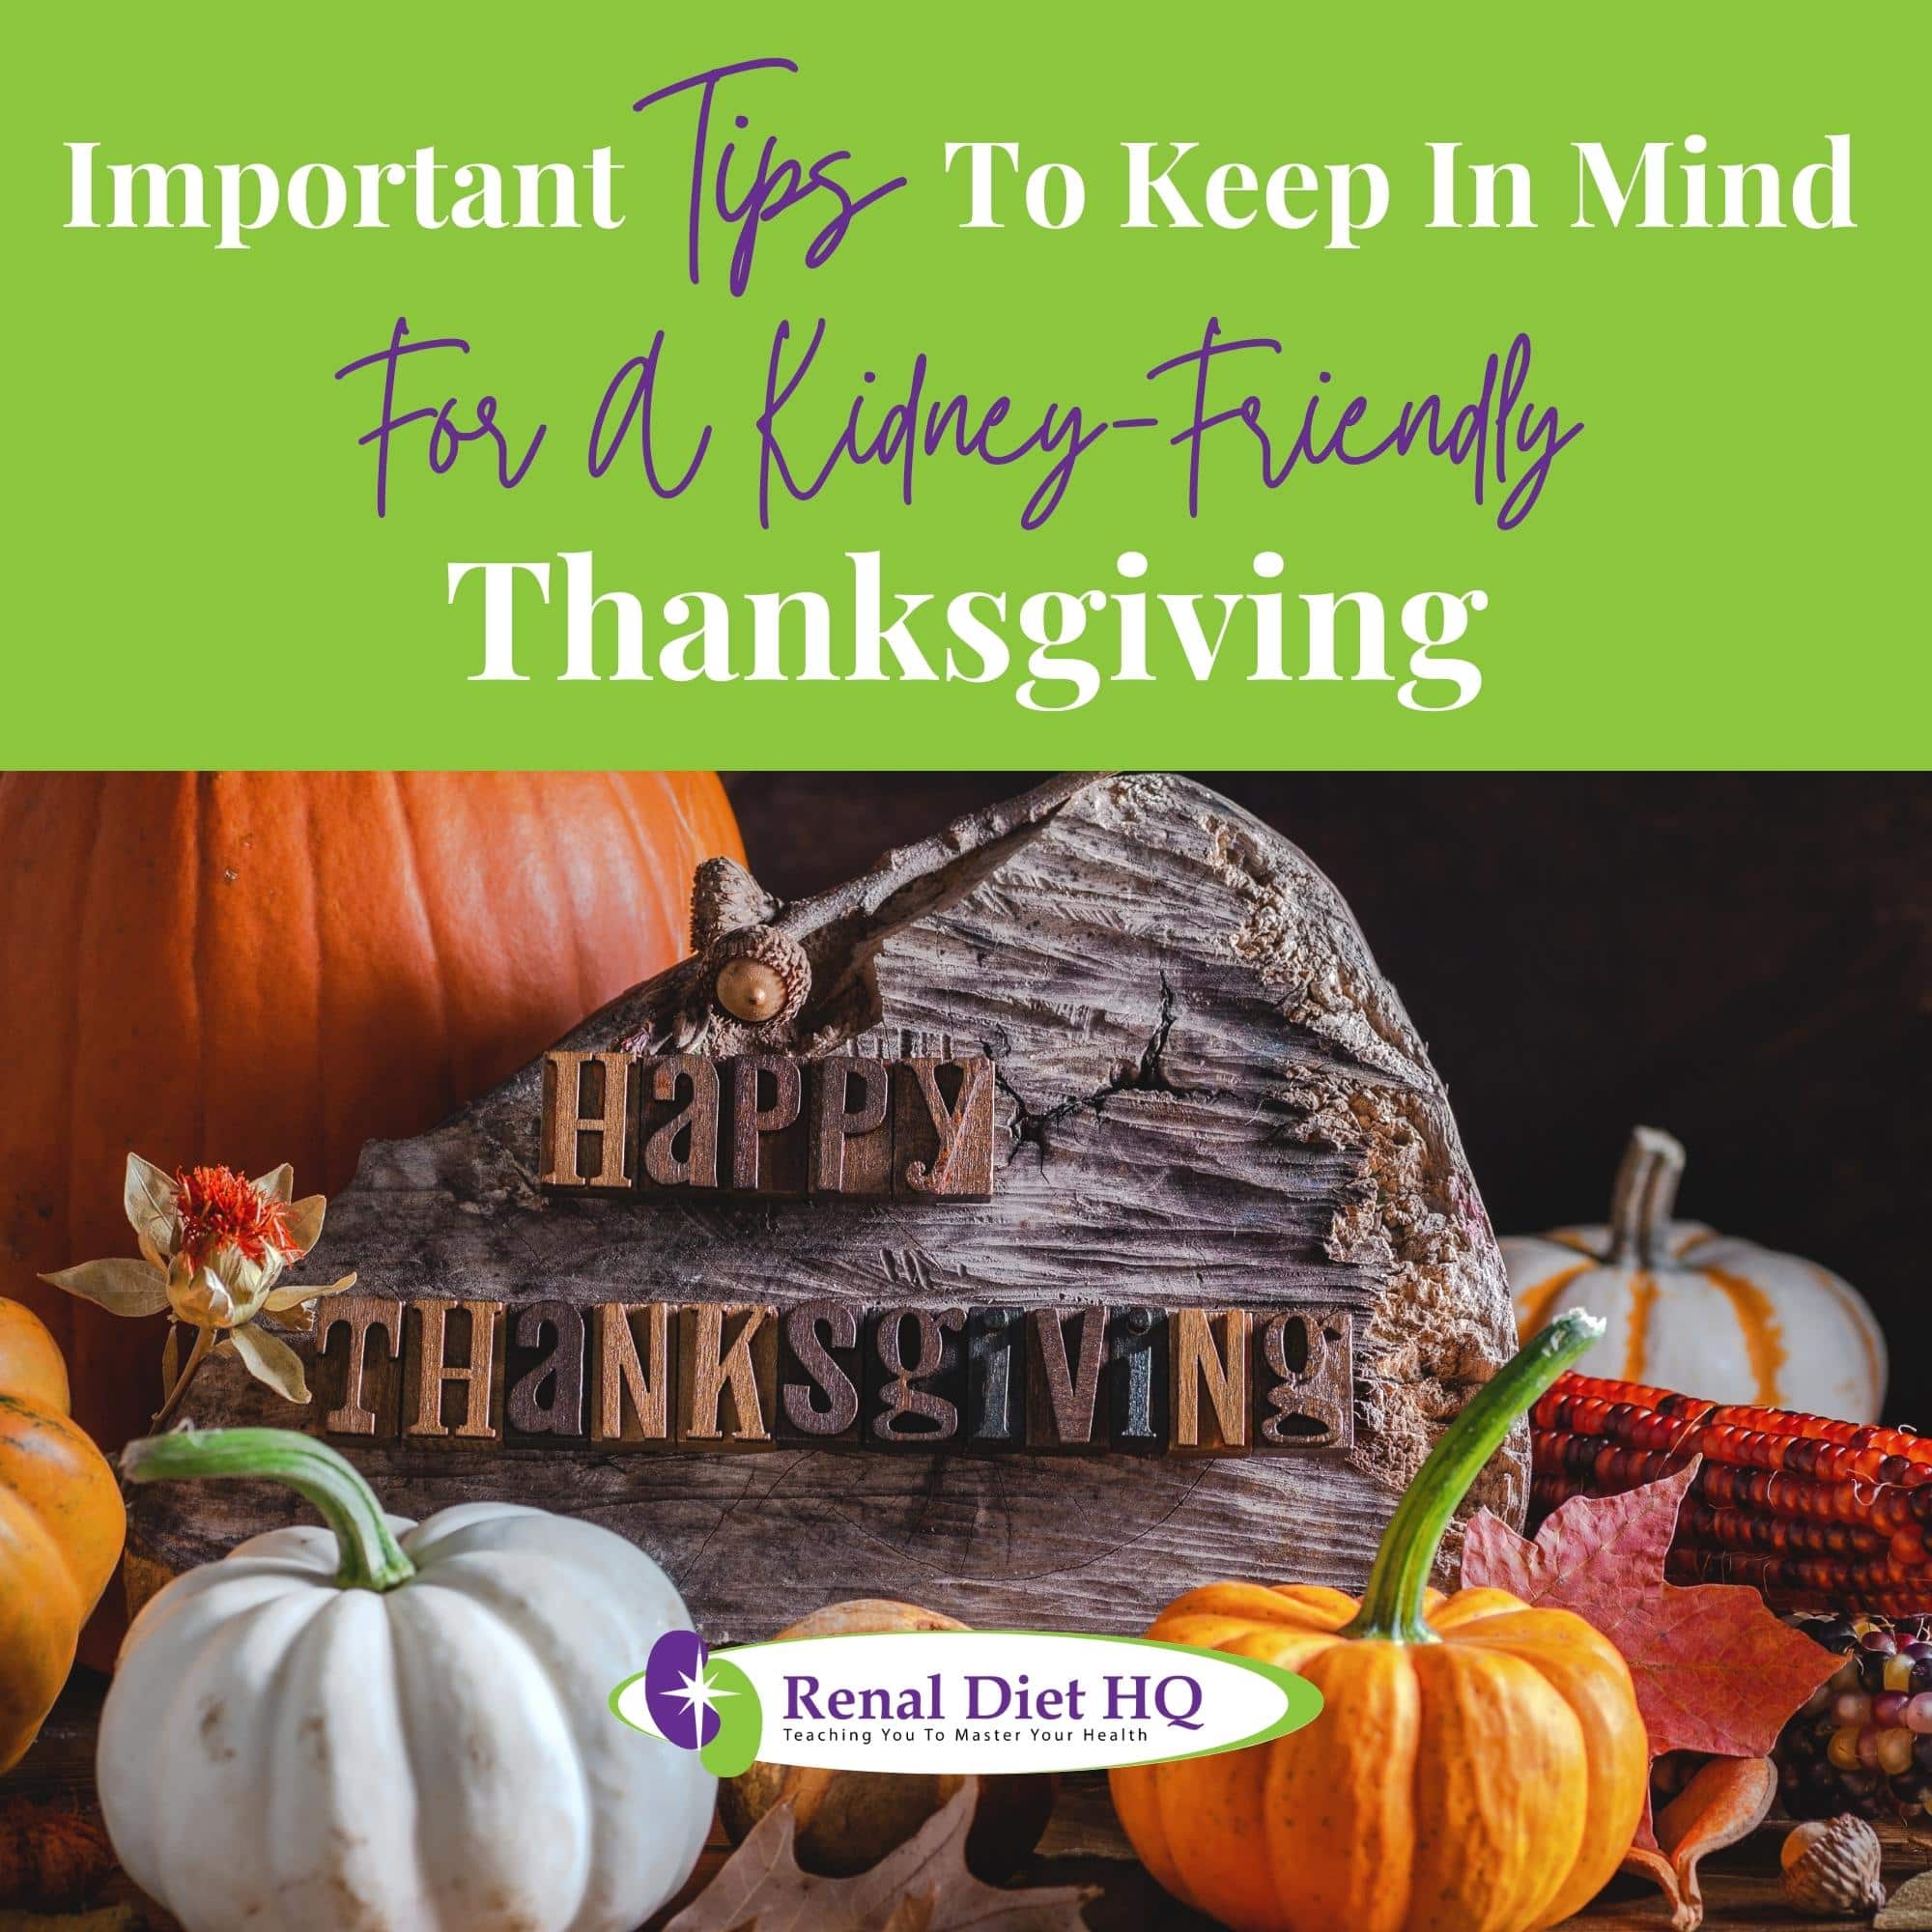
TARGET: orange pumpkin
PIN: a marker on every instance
(60, 1527)
(1478, 1766)
(259, 967)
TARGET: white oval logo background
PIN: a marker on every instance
(1001, 1701)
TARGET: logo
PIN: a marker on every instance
(978, 1701)
(695, 1701)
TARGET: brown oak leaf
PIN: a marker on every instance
(922, 1887)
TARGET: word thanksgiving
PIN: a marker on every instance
(737, 1375)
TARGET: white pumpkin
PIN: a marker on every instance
(343, 1727)
(1698, 1312)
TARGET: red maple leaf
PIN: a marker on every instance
(1715, 1673)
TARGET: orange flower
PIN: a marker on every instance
(216, 1207)
(214, 1243)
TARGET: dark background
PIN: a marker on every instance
(1741, 959)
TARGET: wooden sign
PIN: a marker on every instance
(917, 1129)
(829, 1375)
(1061, 1214)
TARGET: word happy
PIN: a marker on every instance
(766, 1124)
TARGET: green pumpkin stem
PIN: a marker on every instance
(1392, 1605)
(370, 1558)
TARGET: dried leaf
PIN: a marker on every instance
(52, 1856)
(1909, 1909)
(304, 1218)
(148, 1194)
(280, 1300)
(1727, 1801)
(922, 1887)
(102, 1919)
(1715, 1671)
(121, 1287)
(272, 1361)
(278, 1184)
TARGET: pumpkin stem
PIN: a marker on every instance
(370, 1558)
(1392, 1605)
(1644, 1196)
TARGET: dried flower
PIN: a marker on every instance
(214, 1243)
(219, 1210)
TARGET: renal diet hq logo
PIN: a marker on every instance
(977, 1702)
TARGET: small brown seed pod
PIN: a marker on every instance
(762, 976)
(1832, 1867)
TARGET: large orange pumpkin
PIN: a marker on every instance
(60, 1527)
(254, 968)
(1477, 1766)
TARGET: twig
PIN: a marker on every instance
(204, 1345)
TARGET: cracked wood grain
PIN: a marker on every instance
(1208, 1097)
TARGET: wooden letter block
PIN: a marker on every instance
(943, 1129)
(1209, 1357)
(633, 1375)
(915, 1376)
(477, 1375)
(728, 1375)
(1304, 1381)
(680, 1122)
(1064, 1411)
(357, 1383)
(544, 1365)
(996, 1412)
(820, 1375)
(766, 1135)
(587, 1117)
(849, 1142)
(1137, 1380)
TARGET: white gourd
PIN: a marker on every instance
(1705, 1313)
(395, 1727)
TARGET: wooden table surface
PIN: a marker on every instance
(1083, 1845)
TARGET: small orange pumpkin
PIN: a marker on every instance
(1478, 1766)
(60, 1527)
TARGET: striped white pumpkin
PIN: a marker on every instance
(1699, 1312)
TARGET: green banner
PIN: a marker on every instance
(1368, 387)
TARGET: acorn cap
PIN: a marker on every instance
(1832, 1867)
(725, 898)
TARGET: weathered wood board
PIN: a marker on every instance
(1207, 1097)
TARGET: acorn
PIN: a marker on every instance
(1832, 1867)
(749, 990)
(762, 976)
